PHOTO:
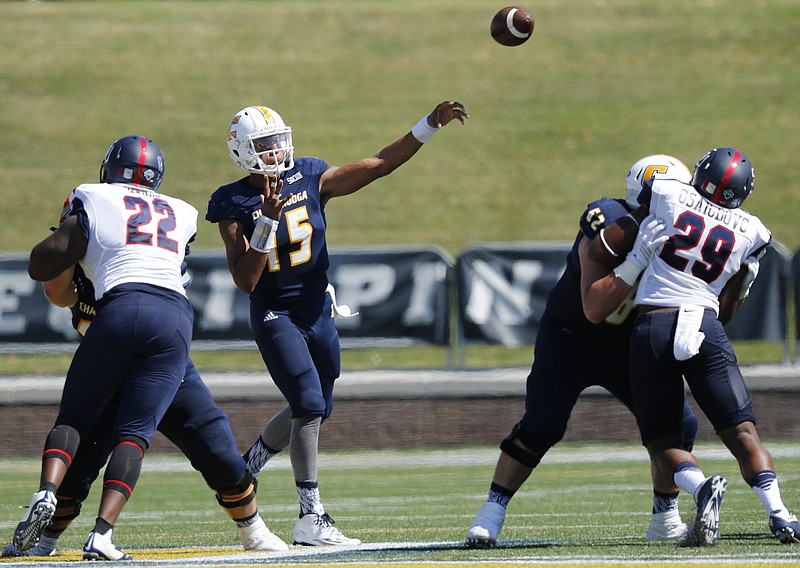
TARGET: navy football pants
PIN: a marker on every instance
(136, 350)
(657, 377)
(301, 351)
(193, 422)
(564, 366)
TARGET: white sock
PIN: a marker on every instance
(765, 485)
(689, 478)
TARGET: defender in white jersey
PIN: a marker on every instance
(705, 252)
(130, 240)
(135, 235)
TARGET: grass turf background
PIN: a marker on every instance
(584, 503)
(555, 122)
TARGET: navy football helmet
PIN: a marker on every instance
(724, 176)
(133, 160)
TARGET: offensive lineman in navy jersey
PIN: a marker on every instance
(273, 225)
(582, 341)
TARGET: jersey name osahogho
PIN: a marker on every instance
(707, 245)
(735, 219)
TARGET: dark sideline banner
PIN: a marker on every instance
(503, 290)
(398, 292)
(796, 296)
(764, 315)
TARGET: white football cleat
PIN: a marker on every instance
(487, 526)
(318, 530)
(101, 547)
(258, 537)
(667, 526)
(39, 515)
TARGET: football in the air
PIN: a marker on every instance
(513, 25)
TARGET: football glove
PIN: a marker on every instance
(649, 240)
(752, 273)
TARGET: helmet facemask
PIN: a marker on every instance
(272, 152)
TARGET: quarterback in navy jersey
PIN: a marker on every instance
(294, 275)
(691, 275)
(272, 223)
(193, 422)
(582, 341)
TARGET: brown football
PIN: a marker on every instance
(513, 25)
(619, 237)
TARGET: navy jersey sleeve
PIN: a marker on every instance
(600, 214)
(565, 304)
(79, 211)
(231, 201)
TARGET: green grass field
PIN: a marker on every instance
(555, 122)
(585, 503)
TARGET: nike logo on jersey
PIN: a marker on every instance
(269, 317)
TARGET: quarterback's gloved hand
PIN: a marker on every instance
(753, 266)
(649, 240)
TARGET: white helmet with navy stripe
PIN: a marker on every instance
(260, 142)
(647, 167)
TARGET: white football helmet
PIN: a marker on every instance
(647, 167)
(260, 142)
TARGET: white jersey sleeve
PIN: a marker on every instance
(706, 247)
(135, 236)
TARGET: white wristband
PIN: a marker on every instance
(261, 239)
(423, 131)
(629, 271)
